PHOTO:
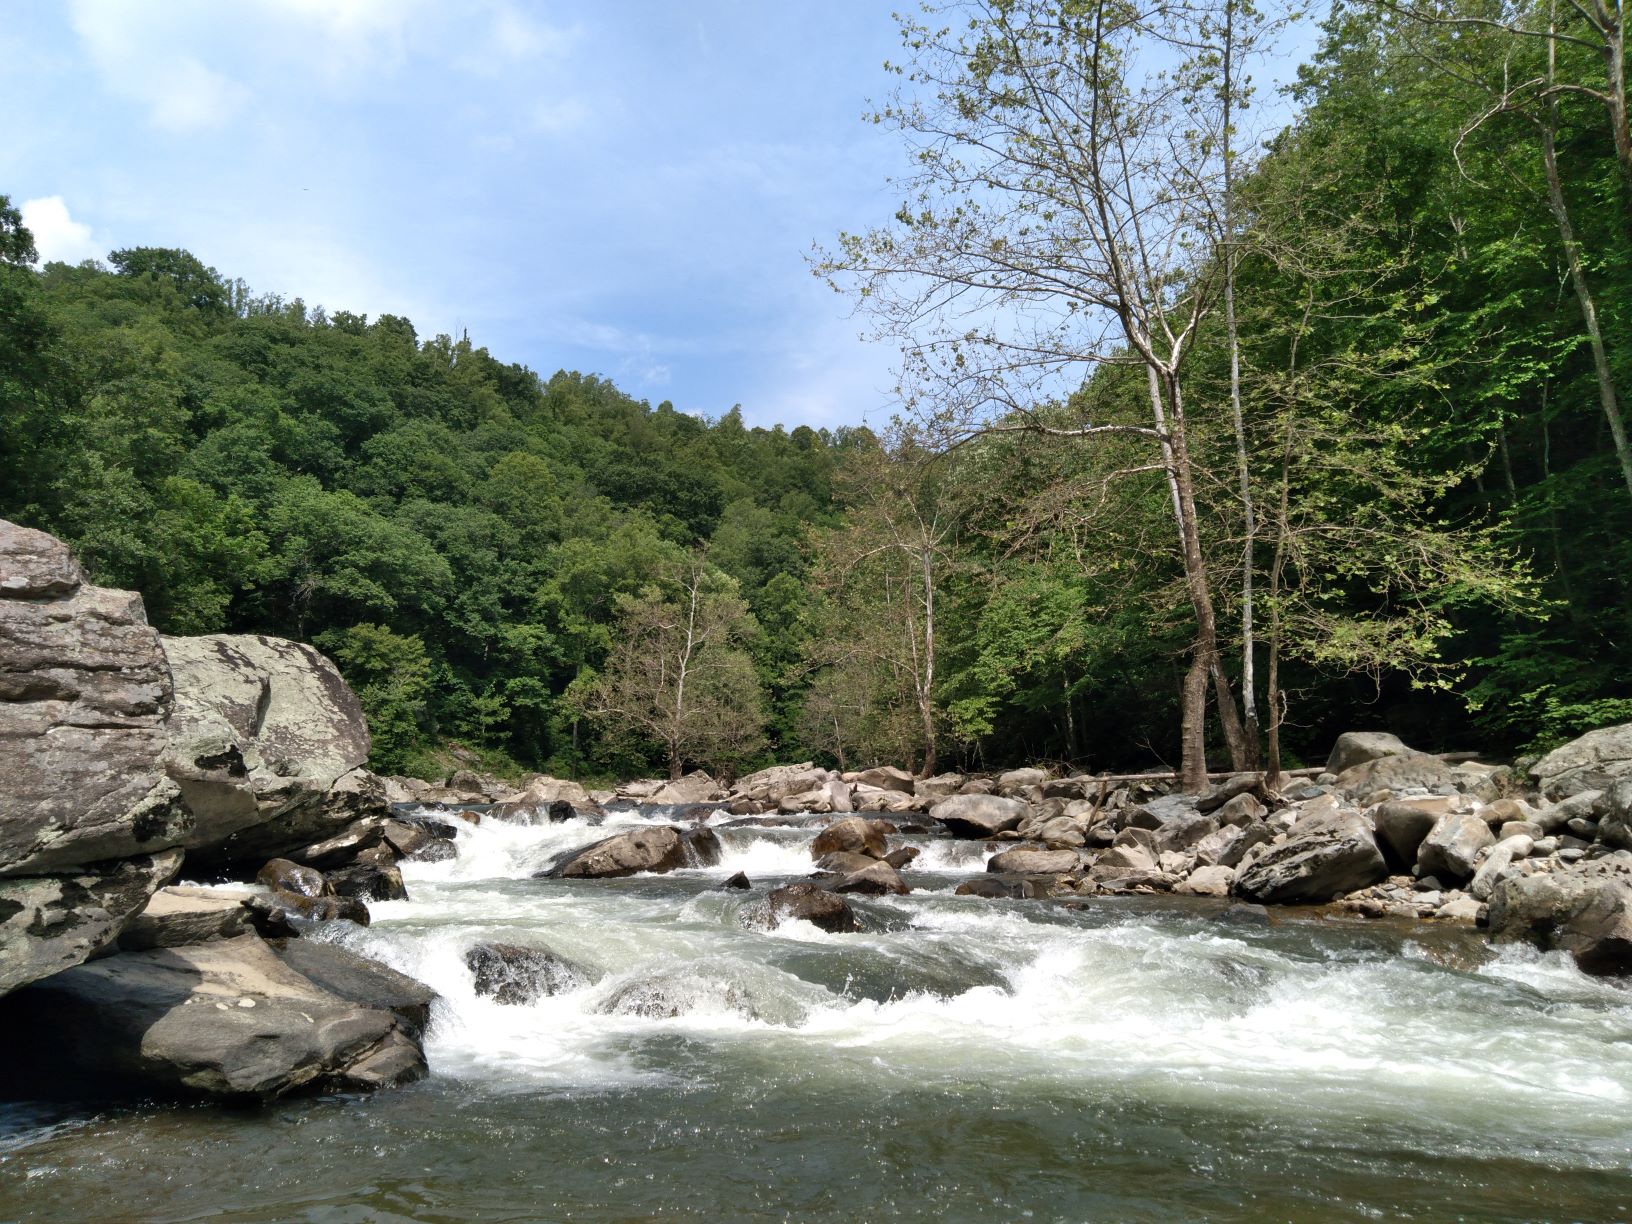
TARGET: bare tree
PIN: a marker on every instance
(1063, 216)
(678, 673)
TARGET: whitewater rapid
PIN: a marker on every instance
(1517, 1051)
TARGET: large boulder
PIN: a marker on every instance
(852, 835)
(1594, 761)
(695, 787)
(1028, 860)
(226, 1019)
(1401, 827)
(1450, 852)
(1357, 747)
(85, 693)
(876, 879)
(779, 781)
(542, 792)
(1588, 917)
(267, 744)
(883, 777)
(356, 979)
(1404, 771)
(52, 923)
(181, 915)
(1322, 857)
(660, 848)
(976, 816)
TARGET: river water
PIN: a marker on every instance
(960, 1059)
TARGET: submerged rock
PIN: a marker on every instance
(512, 973)
(224, 1019)
(660, 848)
(811, 904)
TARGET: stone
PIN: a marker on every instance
(977, 816)
(941, 786)
(1401, 827)
(1589, 917)
(695, 787)
(1322, 857)
(1614, 810)
(541, 791)
(900, 857)
(1461, 908)
(369, 882)
(357, 979)
(1594, 761)
(1451, 848)
(1129, 855)
(779, 781)
(342, 849)
(1185, 830)
(883, 777)
(1000, 888)
(85, 695)
(1154, 813)
(1074, 788)
(843, 862)
(1212, 881)
(738, 881)
(1406, 771)
(877, 879)
(660, 848)
(285, 912)
(1229, 845)
(514, 974)
(1240, 810)
(52, 923)
(1062, 833)
(839, 798)
(281, 875)
(812, 904)
(1016, 780)
(177, 916)
(226, 1019)
(1497, 861)
(852, 835)
(1028, 860)
(1357, 747)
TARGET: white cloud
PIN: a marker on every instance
(57, 235)
(141, 59)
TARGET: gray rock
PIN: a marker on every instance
(1451, 849)
(1003, 888)
(883, 777)
(85, 693)
(1185, 831)
(1406, 771)
(1016, 780)
(177, 916)
(356, 979)
(52, 923)
(877, 879)
(1614, 810)
(1589, 917)
(780, 781)
(1214, 881)
(1027, 860)
(224, 1019)
(661, 848)
(1322, 857)
(1594, 761)
(1498, 860)
(977, 816)
(1357, 747)
(695, 787)
(939, 787)
(1229, 845)
(1401, 827)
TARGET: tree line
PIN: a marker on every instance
(1212, 441)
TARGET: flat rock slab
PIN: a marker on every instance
(175, 917)
(227, 1019)
(661, 848)
(977, 816)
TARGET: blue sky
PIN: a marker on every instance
(626, 188)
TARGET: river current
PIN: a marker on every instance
(960, 1059)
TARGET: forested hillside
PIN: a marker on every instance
(1400, 331)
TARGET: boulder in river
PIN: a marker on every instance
(811, 904)
(226, 1019)
(357, 979)
(978, 816)
(1322, 857)
(1589, 917)
(659, 848)
(852, 834)
(1028, 860)
(513, 973)
(877, 879)
(369, 881)
(51, 923)
(281, 875)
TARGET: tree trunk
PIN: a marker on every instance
(675, 766)
(1193, 730)
(1578, 280)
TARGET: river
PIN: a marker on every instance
(961, 1059)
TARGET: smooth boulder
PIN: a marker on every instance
(1588, 917)
(1357, 747)
(1450, 852)
(661, 848)
(1028, 860)
(1594, 761)
(812, 904)
(1322, 857)
(851, 835)
(978, 816)
(225, 1019)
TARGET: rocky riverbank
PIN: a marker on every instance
(131, 760)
